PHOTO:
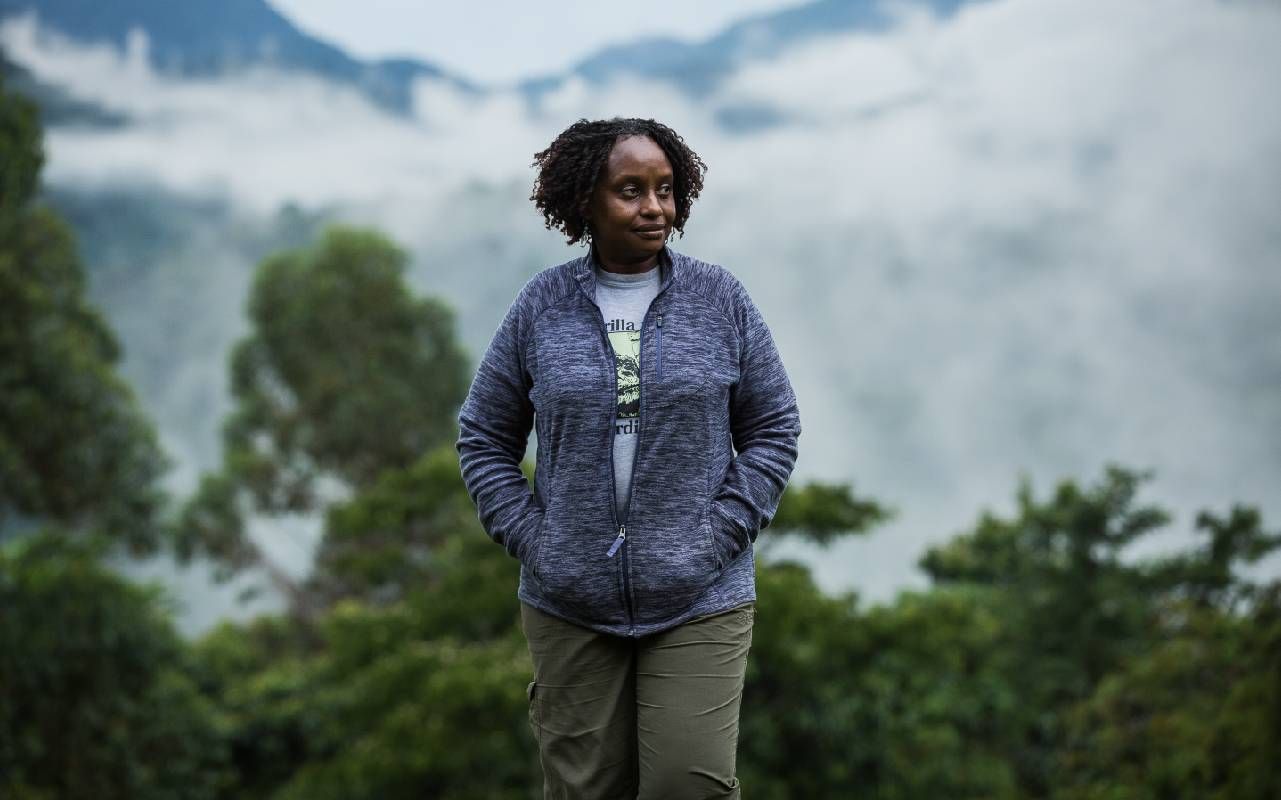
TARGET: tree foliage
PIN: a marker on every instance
(96, 694)
(75, 448)
(344, 375)
(822, 512)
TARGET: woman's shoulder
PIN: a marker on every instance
(546, 287)
(713, 281)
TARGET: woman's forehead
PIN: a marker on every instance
(637, 152)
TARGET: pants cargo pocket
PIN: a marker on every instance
(531, 695)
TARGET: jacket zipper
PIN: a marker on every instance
(621, 539)
(613, 478)
(618, 541)
(660, 347)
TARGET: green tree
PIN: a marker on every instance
(95, 698)
(373, 704)
(75, 449)
(822, 512)
(900, 701)
(344, 376)
(1074, 611)
(1207, 576)
(1078, 605)
(1197, 716)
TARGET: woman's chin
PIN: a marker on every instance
(649, 246)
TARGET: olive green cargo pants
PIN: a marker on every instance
(653, 717)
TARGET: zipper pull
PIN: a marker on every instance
(618, 540)
(660, 320)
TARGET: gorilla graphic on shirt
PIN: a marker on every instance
(626, 344)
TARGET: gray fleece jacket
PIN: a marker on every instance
(719, 426)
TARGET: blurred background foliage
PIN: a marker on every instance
(1043, 662)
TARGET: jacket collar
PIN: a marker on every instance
(585, 274)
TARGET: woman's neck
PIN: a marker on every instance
(627, 268)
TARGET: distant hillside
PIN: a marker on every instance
(699, 67)
(202, 37)
(57, 107)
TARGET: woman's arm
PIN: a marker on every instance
(494, 424)
(765, 424)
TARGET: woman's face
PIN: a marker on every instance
(634, 203)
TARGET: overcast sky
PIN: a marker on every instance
(512, 39)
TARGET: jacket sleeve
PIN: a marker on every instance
(765, 424)
(494, 424)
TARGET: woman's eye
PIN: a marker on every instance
(664, 190)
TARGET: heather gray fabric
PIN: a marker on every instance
(719, 426)
(623, 301)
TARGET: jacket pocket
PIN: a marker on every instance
(672, 562)
(536, 546)
(660, 346)
(724, 541)
(571, 566)
(711, 540)
(695, 354)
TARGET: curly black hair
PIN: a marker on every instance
(570, 166)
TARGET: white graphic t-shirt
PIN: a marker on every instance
(623, 300)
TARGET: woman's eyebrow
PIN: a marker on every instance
(628, 176)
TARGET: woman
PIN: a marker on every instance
(645, 370)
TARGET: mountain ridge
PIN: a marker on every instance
(201, 37)
(697, 67)
(204, 37)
